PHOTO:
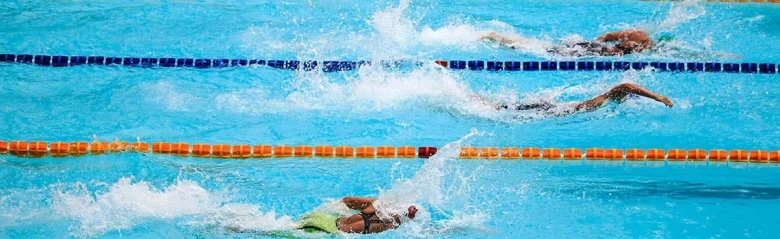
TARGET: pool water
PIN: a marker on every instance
(154, 196)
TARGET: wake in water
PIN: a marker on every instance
(126, 204)
(575, 46)
(443, 208)
(375, 89)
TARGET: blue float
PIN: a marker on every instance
(476, 65)
(513, 65)
(661, 66)
(78, 60)
(495, 65)
(767, 68)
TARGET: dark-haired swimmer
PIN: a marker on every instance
(610, 44)
(617, 94)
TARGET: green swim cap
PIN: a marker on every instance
(666, 37)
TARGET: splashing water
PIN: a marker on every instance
(126, 204)
(427, 188)
(373, 89)
(678, 14)
(396, 29)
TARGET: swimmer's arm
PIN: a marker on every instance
(620, 92)
(614, 36)
(482, 100)
(609, 36)
(358, 203)
(493, 36)
(380, 227)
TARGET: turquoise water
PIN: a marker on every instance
(132, 195)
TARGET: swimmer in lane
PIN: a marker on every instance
(616, 94)
(610, 44)
(364, 222)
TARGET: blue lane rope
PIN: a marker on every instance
(332, 66)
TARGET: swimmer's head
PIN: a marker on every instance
(665, 38)
(411, 212)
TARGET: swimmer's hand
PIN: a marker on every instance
(666, 101)
(492, 35)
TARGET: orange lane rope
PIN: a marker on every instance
(38, 149)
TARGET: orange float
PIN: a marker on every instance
(78, 148)
(262, 151)
(551, 154)
(406, 152)
(180, 149)
(572, 154)
(324, 151)
(19, 148)
(201, 150)
(385, 152)
(345, 151)
(96, 148)
(303, 151)
(283, 151)
(531, 153)
(488, 153)
(656, 155)
(221, 151)
(759, 156)
(510, 153)
(59, 149)
(774, 157)
(635, 155)
(161, 147)
(118, 146)
(594, 154)
(677, 155)
(39, 149)
(613, 154)
(242, 151)
(141, 147)
(697, 155)
(718, 155)
(469, 152)
(365, 152)
(3, 147)
(738, 155)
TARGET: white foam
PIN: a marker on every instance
(393, 25)
(427, 190)
(373, 89)
(125, 204)
(679, 13)
(165, 93)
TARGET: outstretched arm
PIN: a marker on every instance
(609, 36)
(493, 36)
(358, 203)
(631, 34)
(620, 92)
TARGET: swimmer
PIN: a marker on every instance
(364, 222)
(617, 94)
(610, 44)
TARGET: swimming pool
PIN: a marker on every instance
(153, 195)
